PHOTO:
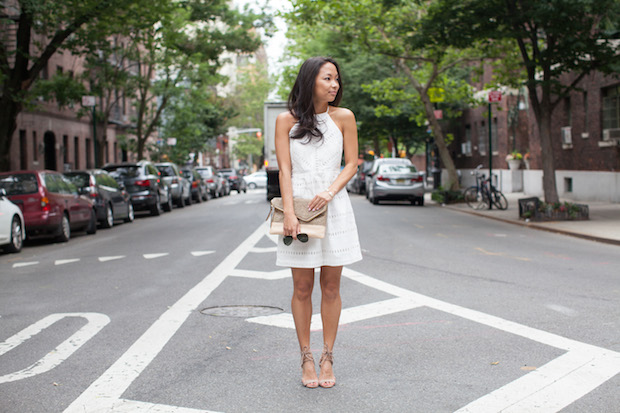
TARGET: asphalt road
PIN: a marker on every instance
(187, 313)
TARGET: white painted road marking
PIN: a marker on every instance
(152, 256)
(95, 323)
(112, 258)
(24, 264)
(69, 261)
(201, 253)
(106, 391)
(549, 388)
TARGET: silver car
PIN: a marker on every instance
(396, 182)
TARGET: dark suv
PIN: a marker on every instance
(143, 182)
(235, 180)
(112, 201)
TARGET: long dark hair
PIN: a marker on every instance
(300, 102)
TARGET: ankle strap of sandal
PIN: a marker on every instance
(326, 356)
(306, 355)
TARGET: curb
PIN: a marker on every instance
(535, 226)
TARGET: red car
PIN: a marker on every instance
(50, 203)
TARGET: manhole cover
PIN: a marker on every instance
(241, 310)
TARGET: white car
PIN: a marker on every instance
(256, 180)
(12, 228)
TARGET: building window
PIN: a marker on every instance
(483, 137)
(568, 112)
(59, 70)
(76, 153)
(23, 150)
(611, 107)
(65, 149)
(467, 150)
(89, 159)
(44, 74)
(35, 147)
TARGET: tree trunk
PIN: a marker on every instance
(440, 141)
(549, 183)
(8, 125)
(102, 138)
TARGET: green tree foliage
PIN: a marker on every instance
(194, 118)
(33, 31)
(251, 92)
(392, 29)
(558, 41)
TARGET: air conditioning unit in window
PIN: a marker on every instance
(611, 134)
(567, 137)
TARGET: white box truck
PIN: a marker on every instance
(272, 110)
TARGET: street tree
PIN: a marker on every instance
(187, 48)
(359, 68)
(390, 28)
(32, 32)
(559, 43)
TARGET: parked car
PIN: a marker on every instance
(180, 187)
(12, 225)
(382, 161)
(200, 191)
(213, 180)
(357, 184)
(394, 182)
(143, 182)
(256, 180)
(235, 180)
(112, 201)
(225, 184)
(50, 203)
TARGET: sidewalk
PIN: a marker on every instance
(603, 225)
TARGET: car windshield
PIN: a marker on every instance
(123, 171)
(205, 173)
(397, 169)
(166, 170)
(78, 179)
(18, 184)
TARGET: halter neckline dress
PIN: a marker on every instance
(315, 166)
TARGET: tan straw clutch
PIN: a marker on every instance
(312, 222)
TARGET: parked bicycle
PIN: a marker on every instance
(484, 194)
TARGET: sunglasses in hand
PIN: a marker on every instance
(288, 240)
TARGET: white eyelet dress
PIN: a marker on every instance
(315, 166)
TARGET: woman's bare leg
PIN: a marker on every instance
(301, 306)
(331, 306)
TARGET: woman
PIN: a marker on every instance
(310, 139)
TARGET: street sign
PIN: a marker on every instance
(171, 141)
(436, 94)
(495, 96)
(88, 101)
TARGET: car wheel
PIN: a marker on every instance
(17, 236)
(64, 230)
(198, 198)
(156, 208)
(168, 205)
(245, 190)
(108, 222)
(252, 185)
(189, 200)
(421, 201)
(179, 202)
(130, 213)
(91, 228)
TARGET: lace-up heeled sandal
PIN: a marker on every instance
(327, 356)
(306, 356)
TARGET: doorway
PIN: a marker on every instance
(49, 149)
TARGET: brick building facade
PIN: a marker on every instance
(48, 137)
(585, 135)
